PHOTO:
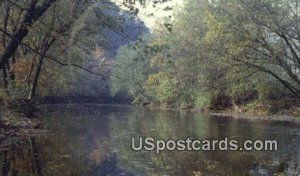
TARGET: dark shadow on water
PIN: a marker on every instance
(110, 167)
(21, 157)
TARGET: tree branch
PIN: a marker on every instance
(33, 13)
(52, 58)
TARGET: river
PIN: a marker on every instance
(96, 140)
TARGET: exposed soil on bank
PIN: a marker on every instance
(16, 125)
(283, 118)
(262, 112)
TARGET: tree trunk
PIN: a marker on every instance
(29, 74)
(12, 75)
(44, 47)
(33, 14)
(4, 71)
(36, 78)
(5, 22)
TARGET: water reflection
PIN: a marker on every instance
(109, 166)
(21, 157)
(96, 140)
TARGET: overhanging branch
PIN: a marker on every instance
(52, 58)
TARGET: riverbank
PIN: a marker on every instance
(283, 115)
(275, 112)
(291, 114)
(281, 118)
(14, 124)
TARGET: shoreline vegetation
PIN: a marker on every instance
(291, 114)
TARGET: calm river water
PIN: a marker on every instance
(95, 140)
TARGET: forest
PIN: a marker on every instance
(211, 55)
(217, 54)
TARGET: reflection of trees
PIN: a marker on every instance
(21, 157)
(83, 135)
(159, 125)
(84, 142)
(173, 125)
(292, 164)
(109, 166)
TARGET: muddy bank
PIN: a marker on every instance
(290, 114)
(16, 125)
(282, 118)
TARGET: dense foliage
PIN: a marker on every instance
(54, 47)
(217, 54)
